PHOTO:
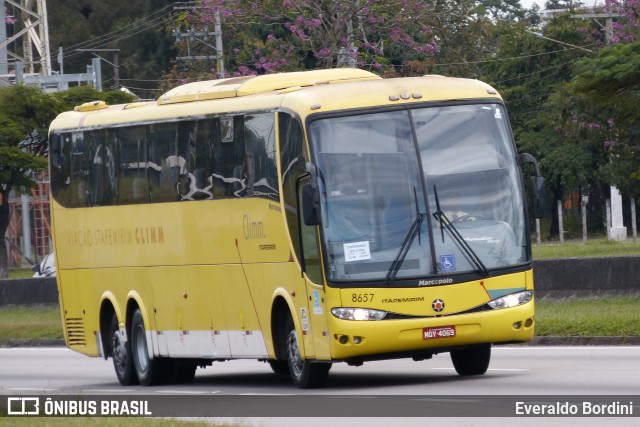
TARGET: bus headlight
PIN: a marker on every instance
(511, 300)
(358, 313)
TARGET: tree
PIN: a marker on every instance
(25, 115)
(607, 90)
(135, 27)
(532, 74)
(389, 37)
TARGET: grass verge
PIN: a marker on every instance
(592, 248)
(596, 316)
(20, 273)
(104, 422)
(30, 323)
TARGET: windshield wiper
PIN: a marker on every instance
(406, 244)
(453, 231)
(404, 249)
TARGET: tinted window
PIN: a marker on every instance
(209, 158)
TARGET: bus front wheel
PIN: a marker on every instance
(472, 360)
(121, 355)
(304, 373)
(149, 371)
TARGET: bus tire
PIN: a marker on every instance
(121, 355)
(472, 360)
(149, 371)
(304, 373)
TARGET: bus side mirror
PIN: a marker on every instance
(536, 186)
(537, 196)
(311, 204)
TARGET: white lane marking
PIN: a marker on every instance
(266, 394)
(14, 349)
(188, 392)
(32, 389)
(490, 369)
(567, 347)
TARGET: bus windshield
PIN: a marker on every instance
(432, 191)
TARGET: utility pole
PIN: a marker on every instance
(202, 37)
(346, 53)
(616, 229)
(115, 64)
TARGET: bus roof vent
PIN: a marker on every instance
(91, 106)
(250, 85)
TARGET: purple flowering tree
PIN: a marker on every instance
(390, 37)
(625, 30)
(8, 18)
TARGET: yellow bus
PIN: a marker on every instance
(300, 219)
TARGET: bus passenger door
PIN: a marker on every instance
(316, 336)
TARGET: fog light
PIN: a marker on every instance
(528, 323)
(357, 340)
(517, 325)
(343, 339)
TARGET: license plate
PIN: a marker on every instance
(441, 332)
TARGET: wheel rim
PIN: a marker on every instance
(140, 348)
(293, 353)
(119, 352)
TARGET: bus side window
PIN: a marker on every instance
(203, 164)
(132, 181)
(217, 157)
(310, 244)
(66, 158)
(293, 158)
(228, 175)
(194, 147)
(163, 154)
(237, 158)
(78, 174)
(103, 165)
(260, 162)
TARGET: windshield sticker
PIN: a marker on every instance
(498, 114)
(447, 262)
(356, 251)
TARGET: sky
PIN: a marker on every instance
(528, 3)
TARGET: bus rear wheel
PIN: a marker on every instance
(472, 360)
(304, 373)
(150, 371)
(121, 355)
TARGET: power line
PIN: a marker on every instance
(508, 59)
(534, 73)
(122, 33)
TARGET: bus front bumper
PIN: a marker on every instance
(430, 335)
